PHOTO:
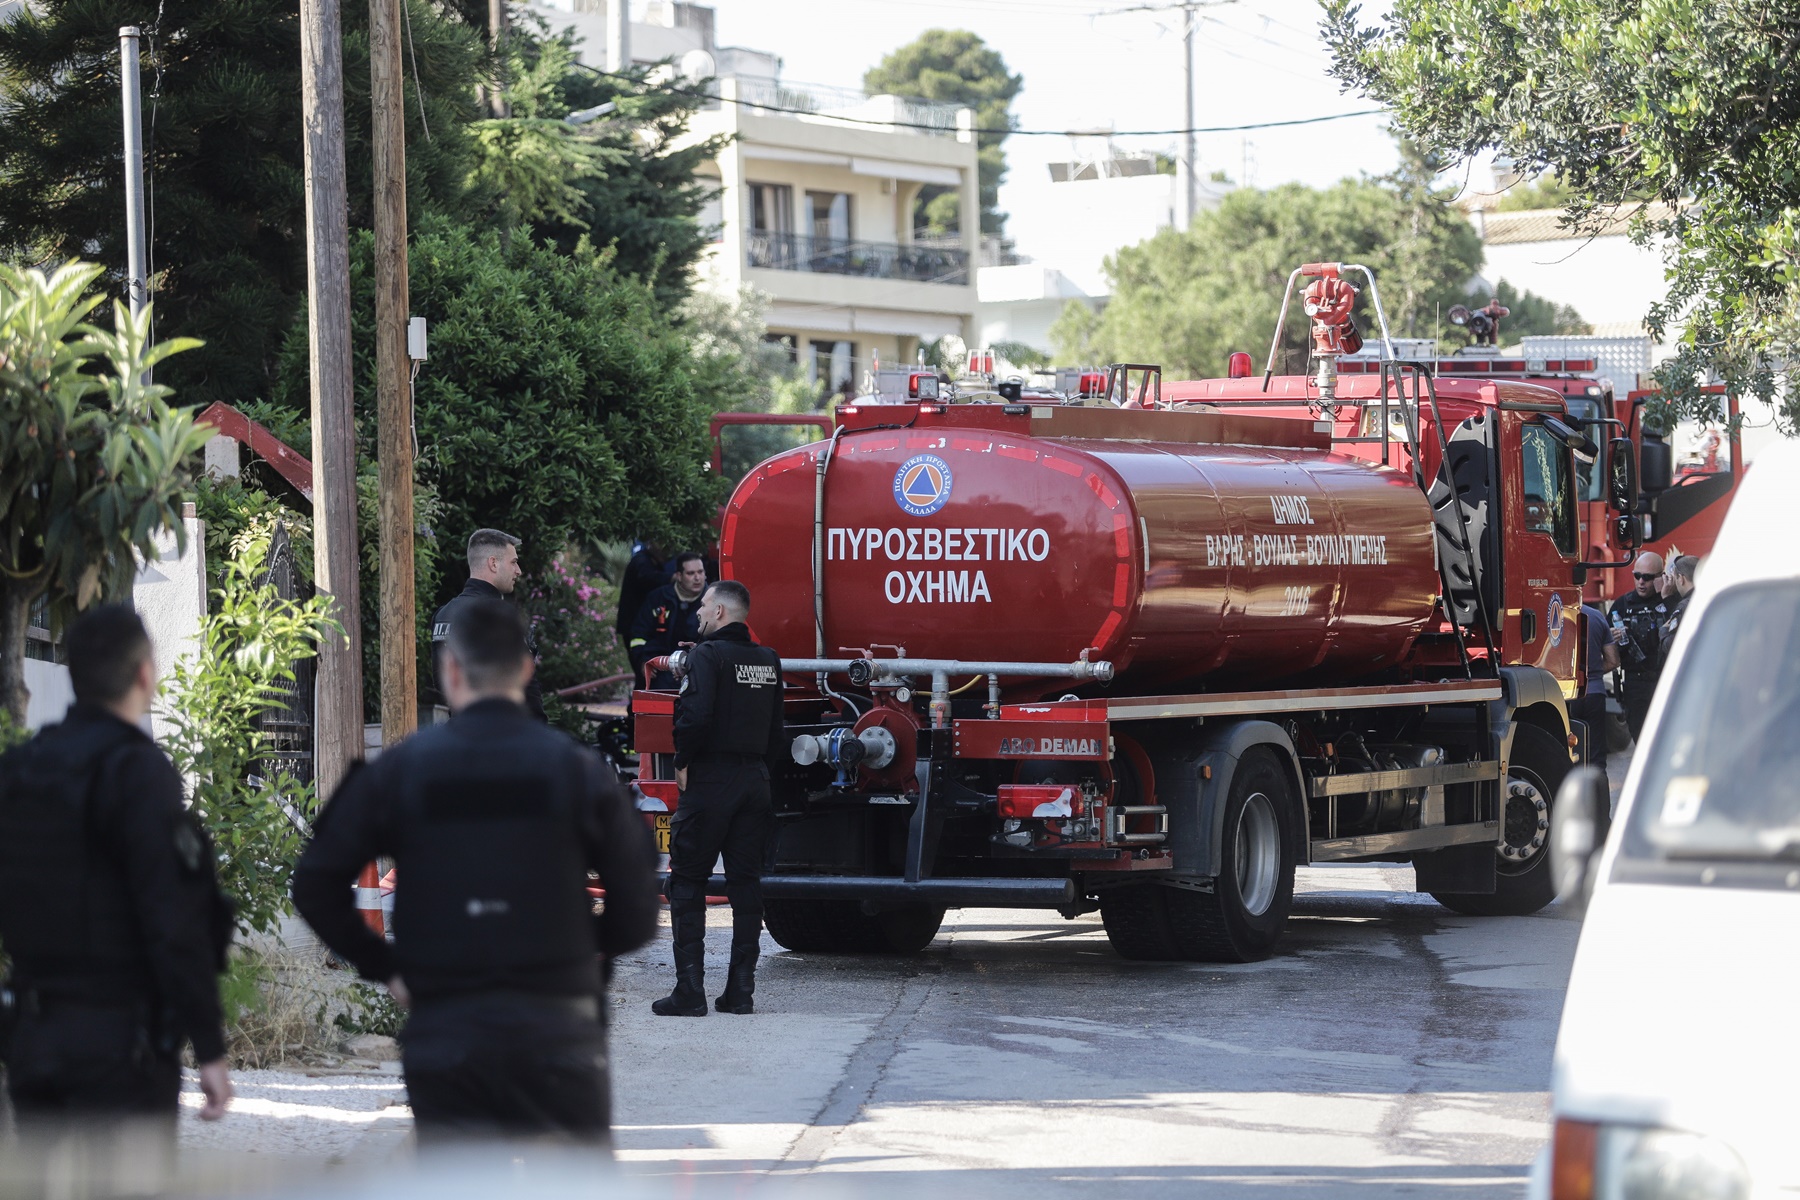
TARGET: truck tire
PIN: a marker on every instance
(842, 927)
(1241, 919)
(1523, 882)
(1137, 922)
(909, 930)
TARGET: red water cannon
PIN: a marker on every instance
(1328, 301)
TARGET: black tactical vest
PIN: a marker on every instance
(747, 694)
(492, 873)
(65, 913)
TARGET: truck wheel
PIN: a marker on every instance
(1241, 919)
(1137, 922)
(1523, 883)
(909, 930)
(822, 926)
(841, 927)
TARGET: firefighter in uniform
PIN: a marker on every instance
(493, 572)
(668, 619)
(109, 908)
(494, 822)
(728, 734)
(1637, 618)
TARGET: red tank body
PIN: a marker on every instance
(1188, 549)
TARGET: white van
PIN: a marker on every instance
(1677, 1069)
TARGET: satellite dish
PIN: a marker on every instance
(1459, 314)
(697, 65)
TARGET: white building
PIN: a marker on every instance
(1609, 279)
(816, 190)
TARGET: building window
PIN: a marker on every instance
(833, 365)
(771, 208)
(790, 345)
(828, 219)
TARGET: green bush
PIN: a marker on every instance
(572, 611)
(557, 404)
(253, 806)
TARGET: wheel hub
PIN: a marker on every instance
(1526, 822)
(1258, 854)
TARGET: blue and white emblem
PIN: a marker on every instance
(1554, 619)
(922, 484)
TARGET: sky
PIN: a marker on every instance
(1085, 64)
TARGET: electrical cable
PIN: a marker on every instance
(807, 112)
(412, 51)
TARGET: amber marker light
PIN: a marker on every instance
(1572, 1153)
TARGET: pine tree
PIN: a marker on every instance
(223, 154)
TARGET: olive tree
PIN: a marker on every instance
(93, 461)
(1682, 114)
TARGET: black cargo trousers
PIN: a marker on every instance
(725, 810)
(508, 1065)
(89, 1059)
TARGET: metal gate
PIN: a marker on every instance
(288, 728)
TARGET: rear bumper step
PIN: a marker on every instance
(951, 893)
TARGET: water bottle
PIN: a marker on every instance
(1618, 624)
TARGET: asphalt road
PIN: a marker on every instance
(1391, 1047)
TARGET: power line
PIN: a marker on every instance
(807, 112)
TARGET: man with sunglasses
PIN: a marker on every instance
(1637, 618)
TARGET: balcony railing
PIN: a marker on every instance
(872, 260)
(904, 113)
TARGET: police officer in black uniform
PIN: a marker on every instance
(1681, 590)
(728, 734)
(669, 618)
(109, 907)
(493, 572)
(494, 822)
(1641, 613)
(646, 572)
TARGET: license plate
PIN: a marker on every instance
(662, 833)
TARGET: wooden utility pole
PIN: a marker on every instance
(393, 390)
(337, 719)
(497, 43)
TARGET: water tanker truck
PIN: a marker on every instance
(1148, 652)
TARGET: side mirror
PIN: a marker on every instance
(1578, 829)
(1657, 465)
(1628, 532)
(1573, 438)
(1622, 475)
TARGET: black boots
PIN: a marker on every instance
(740, 983)
(689, 997)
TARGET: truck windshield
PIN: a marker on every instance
(1589, 479)
(1722, 781)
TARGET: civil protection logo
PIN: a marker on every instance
(922, 484)
(1554, 619)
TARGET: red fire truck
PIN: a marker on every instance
(1681, 511)
(1147, 655)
